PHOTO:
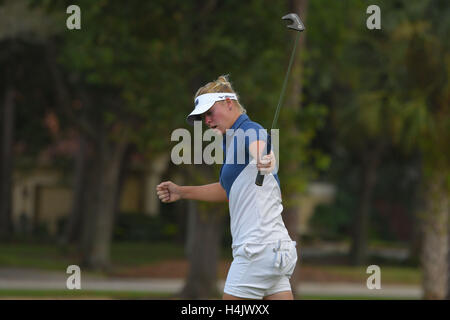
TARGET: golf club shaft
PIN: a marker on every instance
(260, 177)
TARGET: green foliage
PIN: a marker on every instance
(141, 227)
(333, 221)
(143, 61)
(382, 83)
(383, 87)
(155, 55)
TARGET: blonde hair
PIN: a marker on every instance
(222, 84)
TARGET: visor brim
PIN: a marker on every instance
(198, 111)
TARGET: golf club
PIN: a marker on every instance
(296, 25)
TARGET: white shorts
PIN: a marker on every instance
(260, 270)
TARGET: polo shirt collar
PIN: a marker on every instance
(242, 118)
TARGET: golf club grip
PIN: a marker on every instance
(259, 179)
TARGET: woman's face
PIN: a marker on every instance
(218, 117)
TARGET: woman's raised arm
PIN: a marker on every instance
(168, 191)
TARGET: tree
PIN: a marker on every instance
(430, 133)
(420, 99)
(21, 43)
(395, 94)
(388, 98)
(107, 83)
(205, 231)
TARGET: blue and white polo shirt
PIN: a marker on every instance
(255, 211)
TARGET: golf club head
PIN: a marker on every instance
(296, 24)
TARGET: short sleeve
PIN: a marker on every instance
(254, 132)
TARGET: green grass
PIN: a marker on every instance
(94, 294)
(389, 274)
(48, 257)
(126, 254)
(316, 297)
(136, 254)
(52, 257)
(80, 294)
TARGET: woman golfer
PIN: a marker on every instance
(264, 254)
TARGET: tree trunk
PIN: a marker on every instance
(435, 238)
(447, 296)
(359, 249)
(291, 220)
(121, 179)
(7, 164)
(74, 223)
(97, 242)
(291, 212)
(203, 252)
(191, 223)
(91, 202)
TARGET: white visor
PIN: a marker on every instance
(205, 101)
